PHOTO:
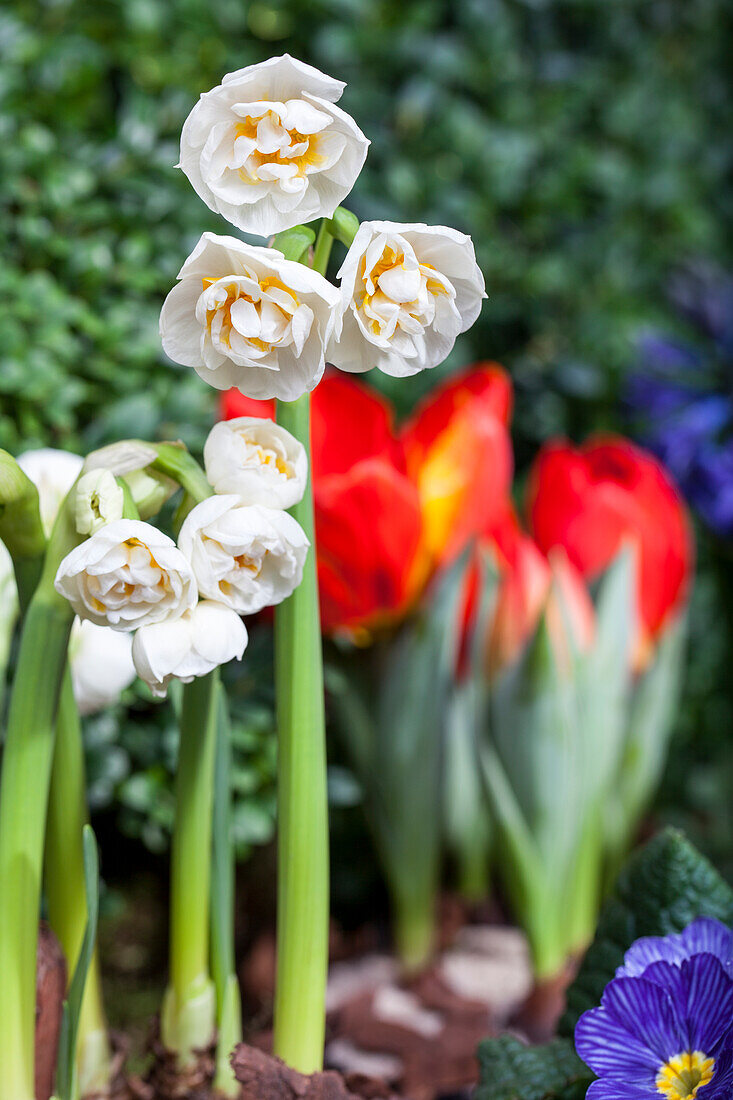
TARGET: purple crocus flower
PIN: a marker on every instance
(665, 1024)
(681, 395)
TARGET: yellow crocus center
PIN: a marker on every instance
(682, 1076)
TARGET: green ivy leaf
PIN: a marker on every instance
(509, 1070)
(662, 889)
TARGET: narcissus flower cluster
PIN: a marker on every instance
(268, 149)
(235, 555)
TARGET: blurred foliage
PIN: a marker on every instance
(132, 751)
(580, 142)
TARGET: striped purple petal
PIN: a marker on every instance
(617, 1090)
(709, 1003)
(634, 1031)
(721, 1086)
(704, 935)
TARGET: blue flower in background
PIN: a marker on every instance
(682, 394)
(665, 1024)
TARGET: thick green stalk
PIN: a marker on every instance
(303, 899)
(189, 1006)
(413, 921)
(65, 887)
(26, 771)
(228, 1000)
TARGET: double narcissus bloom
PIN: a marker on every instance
(593, 501)
(245, 316)
(243, 555)
(665, 1024)
(268, 148)
(127, 575)
(393, 506)
(407, 291)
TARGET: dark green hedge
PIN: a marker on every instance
(581, 142)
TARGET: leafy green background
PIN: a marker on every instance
(581, 142)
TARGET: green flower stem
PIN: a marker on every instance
(24, 784)
(228, 1000)
(322, 248)
(65, 886)
(303, 900)
(189, 1007)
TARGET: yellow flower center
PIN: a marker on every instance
(683, 1075)
(296, 150)
(281, 300)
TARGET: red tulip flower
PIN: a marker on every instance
(528, 585)
(594, 500)
(391, 508)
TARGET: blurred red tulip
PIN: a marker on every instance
(593, 500)
(459, 454)
(528, 585)
(391, 508)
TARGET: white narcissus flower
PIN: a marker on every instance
(268, 149)
(208, 635)
(53, 473)
(100, 660)
(257, 460)
(99, 500)
(126, 575)
(407, 291)
(245, 556)
(245, 316)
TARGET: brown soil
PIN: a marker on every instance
(263, 1077)
(539, 1015)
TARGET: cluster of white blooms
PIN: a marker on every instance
(268, 149)
(238, 551)
(100, 661)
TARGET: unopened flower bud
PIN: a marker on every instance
(150, 491)
(99, 500)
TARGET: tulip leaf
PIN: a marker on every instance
(605, 680)
(392, 727)
(650, 724)
(509, 1070)
(534, 728)
(662, 889)
(466, 812)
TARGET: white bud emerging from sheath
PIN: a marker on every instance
(53, 473)
(245, 556)
(407, 291)
(99, 500)
(256, 460)
(101, 665)
(127, 575)
(208, 635)
(150, 490)
(268, 148)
